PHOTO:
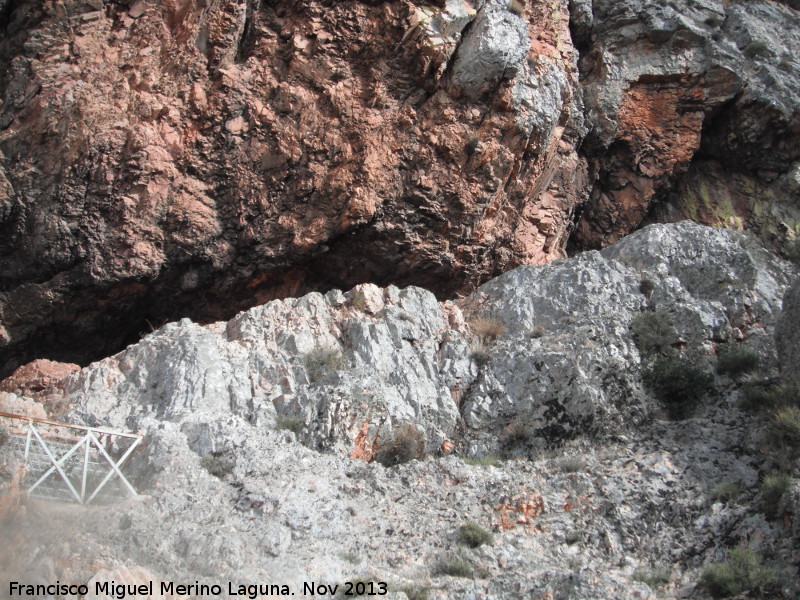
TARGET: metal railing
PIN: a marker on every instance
(68, 466)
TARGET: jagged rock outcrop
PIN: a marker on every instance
(788, 331)
(707, 87)
(165, 159)
(628, 493)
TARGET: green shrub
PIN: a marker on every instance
(785, 426)
(454, 567)
(653, 333)
(488, 460)
(742, 572)
(290, 423)
(727, 491)
(772, 490)
(735, 360)
(320, 361)
(571, 464)
(678, 383)
(774, 396)
(407, 443)
(472, 535)
(218, 464)
(652, 577)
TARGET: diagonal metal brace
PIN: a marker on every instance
(57, 463)
(115, 466)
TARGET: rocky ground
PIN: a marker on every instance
(352, 435)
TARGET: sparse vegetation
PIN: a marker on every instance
(454, 567)
(537, 332)
(736, 360)
(413, 592)
(653, 333)
(773, 488)
(571, 464)
(646, 287)
(407, 443)
(488, 460)
(517, 433)
(573, 536)
(726, 491)
(472, 143)
(785, 426)
(290, 423)
(791, 250)
(744, 571)
(479, 352)
(653, 577)
(488, 329)
(218, 464)
(773, 396)
(321, 360)
(678, 383)
(472, 535)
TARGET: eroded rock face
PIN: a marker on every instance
(628, 489)
(163, 159)
(668, 87)
(788, 332)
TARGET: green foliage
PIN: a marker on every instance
(218, 464)
(320, 361)
(571, 464)
(771, 397)
(772, 489)
(407, 443)
(653, 333)
(652, 577)
(454, 567)
(678, 383)
(736, 360)
(488, 460)
(785, 426)
(290, 423)
(473, 535)
(726, 491)
(742, 572)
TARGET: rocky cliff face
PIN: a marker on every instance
(305, 400)
(179, 158)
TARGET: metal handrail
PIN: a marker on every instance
(87, 441)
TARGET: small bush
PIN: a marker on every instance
(735, 360)
(791, 250)
(415, 592)
(785, 426)
(489, 460)
(516, 7)
(573, 536)
(537, 332)
(647, 287)
(479, 352)
(742, 572)
(727, 491)
(454, 567)
(473, 535)
(290, 423)
(218, 464)
(407, 443)
(652, 577)
(518, 432)
(771, 397)
(472, 143)
(653, 333)
(488, 329)
(678, 383)
(571, 464)
(320, 361)
(772, 490)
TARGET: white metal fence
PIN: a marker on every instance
(68, 462)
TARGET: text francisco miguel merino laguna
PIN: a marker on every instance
(120, 591)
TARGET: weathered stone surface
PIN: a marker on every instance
(788, 331)
(170, 159)
(670, 85)
(629, 492)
